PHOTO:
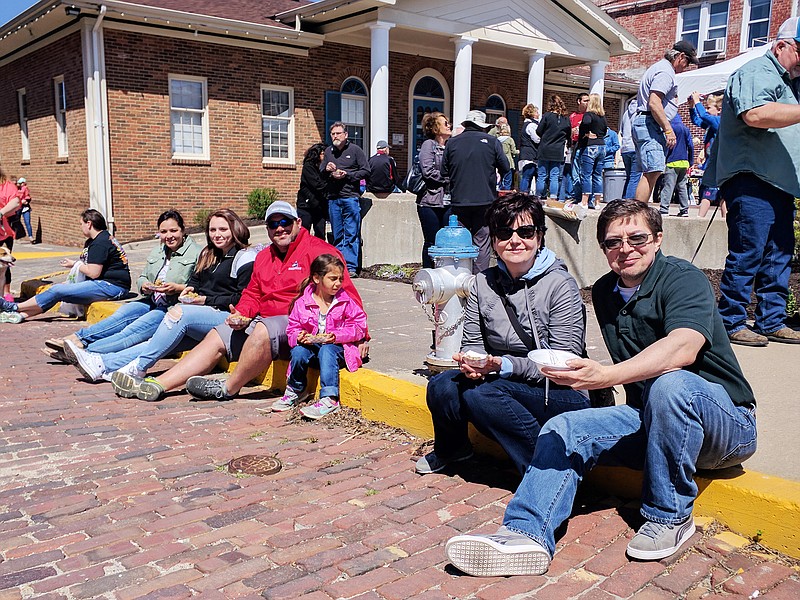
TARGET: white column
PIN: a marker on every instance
(597, 77)
(536, 78)
(379, 85)
(462, 79)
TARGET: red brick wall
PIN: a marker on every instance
(60, 189)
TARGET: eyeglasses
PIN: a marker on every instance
(280, 223)
(337, 133)
(526, 232)
(636, 240)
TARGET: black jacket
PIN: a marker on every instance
(471, 160)
(554, 131)
(383, 176)
(311, 195)
(528, 149)
(351, 159)
(221, 287)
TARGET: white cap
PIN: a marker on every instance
(281, 208)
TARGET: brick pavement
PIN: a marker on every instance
(102, 497)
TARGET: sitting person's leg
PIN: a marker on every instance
(134, 332)
(513, 412)
(331, 360)
(84, 292)
(122, 317)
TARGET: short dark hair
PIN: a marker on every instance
(337, 124)
(622, 209)
(506, 209)
(94, 217)
(581, 96)
(171, 214)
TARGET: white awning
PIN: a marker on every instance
(715, 77)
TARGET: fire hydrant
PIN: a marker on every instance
(443, 291)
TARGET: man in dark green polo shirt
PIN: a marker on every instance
(688, 406)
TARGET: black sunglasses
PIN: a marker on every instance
(280, 223)
(526, 232)
(634, 241)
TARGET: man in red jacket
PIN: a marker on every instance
(255, 333)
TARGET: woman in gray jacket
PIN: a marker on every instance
(507, 399)
(433, 205)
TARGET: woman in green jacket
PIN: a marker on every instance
(168, 268)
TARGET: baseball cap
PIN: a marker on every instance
(790, 30)
(281, 208)
(382, 144)
(688, 49)
(476, 117)
(21, 180)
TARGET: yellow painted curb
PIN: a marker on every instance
(43, 254)
(754, 505)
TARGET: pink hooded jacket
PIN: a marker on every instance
(346, 320)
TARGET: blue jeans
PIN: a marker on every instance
(760, 247)
(510, 412)
(330, 358)
(131, 324)
(84, 292)
(592, 158)
(686, 424)
(345, 216)
(567, 190)
(632, 174)
(431, 219)
(194, 324)
(26, 219)
(507, 180)
(549, 170)
(526, 178)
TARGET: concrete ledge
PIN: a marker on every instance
(752, 504)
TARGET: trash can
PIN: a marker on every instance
(613, 184)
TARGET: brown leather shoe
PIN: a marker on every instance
(784, 335)
(748, 337)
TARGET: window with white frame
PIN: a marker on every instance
(756, 20)
(22, 105)
(277, 124)
(60, 92)
(188, 113)
(705, 26)
(354, 111)
(495, 107)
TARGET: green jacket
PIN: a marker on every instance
(181, 265)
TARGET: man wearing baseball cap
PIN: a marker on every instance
(383, 175)
(255, 333)
(656, 106)
(756, 164)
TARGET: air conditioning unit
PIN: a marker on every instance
(714, 46)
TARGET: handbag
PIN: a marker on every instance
(413, 182)
(68, 308)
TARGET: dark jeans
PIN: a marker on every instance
(632, 174)
(526, 176)
(760, 247)
(474, 219)
(510, 412)
(432, 219)
(330, 358)
(313, 218)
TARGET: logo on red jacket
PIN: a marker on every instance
(295, 267)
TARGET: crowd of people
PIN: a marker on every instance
(688, 404)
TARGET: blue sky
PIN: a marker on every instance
(11, 8)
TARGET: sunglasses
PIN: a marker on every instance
(280, 223)
(526, 232)
(634, 241)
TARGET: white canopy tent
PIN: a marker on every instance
(715, 77)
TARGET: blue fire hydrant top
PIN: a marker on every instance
(453, 241)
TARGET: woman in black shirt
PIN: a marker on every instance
(592, 143)
(554, 131)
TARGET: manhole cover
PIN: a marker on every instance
(253, 464)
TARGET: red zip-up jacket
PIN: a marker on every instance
(276, 280)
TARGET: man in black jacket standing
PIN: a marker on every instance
(471, 161)
(343, 166)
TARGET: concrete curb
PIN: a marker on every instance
(757, 506)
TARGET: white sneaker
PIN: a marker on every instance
(89, 364)
(289, 399)
(497, 555)
(132, 369)
(325, 406)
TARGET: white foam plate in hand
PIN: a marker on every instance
(553, 359)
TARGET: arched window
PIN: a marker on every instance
(495, 107)
(355, 104)
(428, 96)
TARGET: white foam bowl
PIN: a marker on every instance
(553, 359)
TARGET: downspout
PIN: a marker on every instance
(100, 125)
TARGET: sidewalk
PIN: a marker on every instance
(114, 498)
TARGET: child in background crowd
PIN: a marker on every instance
(324, 323)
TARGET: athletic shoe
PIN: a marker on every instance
(10, 317)
(8, 306)
(205, 388)
(289, 399)
(496, 555)
(325, 406)
(431, 463)
(655, 541)
(71, 350)
(126, 385)
(132, 369)
(90, 364)
(150, 390)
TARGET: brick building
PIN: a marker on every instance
(134, 107)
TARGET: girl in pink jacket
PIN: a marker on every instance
(324, 324)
